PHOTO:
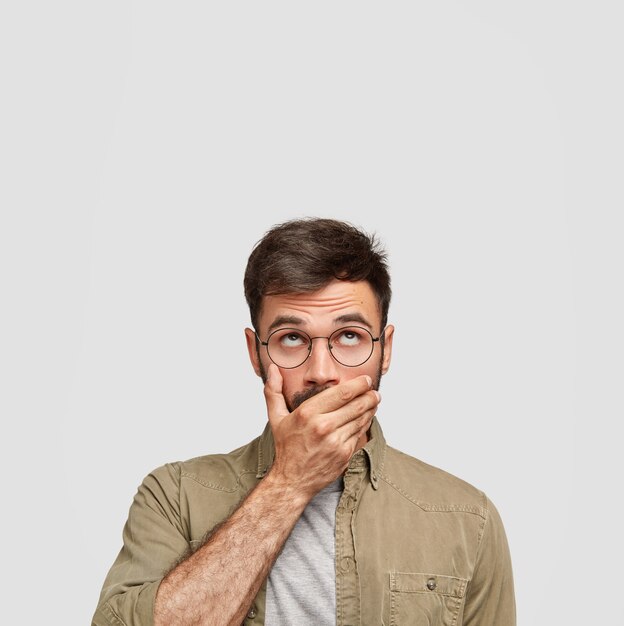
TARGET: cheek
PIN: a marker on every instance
(292, 382)
(370, 367)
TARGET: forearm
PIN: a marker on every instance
(217, 584)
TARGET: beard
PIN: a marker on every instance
(299, 397)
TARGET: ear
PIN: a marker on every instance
(250, 338)
(389, 334)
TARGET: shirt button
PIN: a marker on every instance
(431, 584)
(346, 563)
(252, 613)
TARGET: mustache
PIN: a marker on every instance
(301, 396)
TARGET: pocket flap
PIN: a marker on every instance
(408, 582)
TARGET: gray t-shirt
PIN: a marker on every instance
(301, 588)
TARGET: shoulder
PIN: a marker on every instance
(221, 471)
(429, 487)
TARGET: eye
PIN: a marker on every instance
(292, 339)
(349, 337)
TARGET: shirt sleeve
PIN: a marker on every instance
(490, 599)
(153, 541)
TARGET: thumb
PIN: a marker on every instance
(276, 404)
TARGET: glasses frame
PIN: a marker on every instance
(298, 330)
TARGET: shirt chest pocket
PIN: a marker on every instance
(421, 599)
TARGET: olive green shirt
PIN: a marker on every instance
(414, 544)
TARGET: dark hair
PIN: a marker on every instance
(304, 255)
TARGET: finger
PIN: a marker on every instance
(276, 404)
(339, 395)
(354, 409)
(357, 427)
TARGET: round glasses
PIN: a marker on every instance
(290, 347)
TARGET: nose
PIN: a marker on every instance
(321, 367)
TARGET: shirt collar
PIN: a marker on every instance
(373, 453)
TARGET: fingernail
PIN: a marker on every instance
(378, 396)
(370, 381)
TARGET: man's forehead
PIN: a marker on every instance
(354, 317)
(339, 301)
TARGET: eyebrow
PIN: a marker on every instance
(284, 320)
(353, 317)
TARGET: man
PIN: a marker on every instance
(317, 521)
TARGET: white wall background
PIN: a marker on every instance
(146, 146)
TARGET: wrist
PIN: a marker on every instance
(286, 489)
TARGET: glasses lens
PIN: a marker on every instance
(288, 347)
(351, 346)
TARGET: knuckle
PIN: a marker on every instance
(345, 394)
(333, 441)
(322, 429)
(360, 406)
(365, 421)
(304, 413)
(364, 405)
(345, 455)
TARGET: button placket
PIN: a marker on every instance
(347, 575)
